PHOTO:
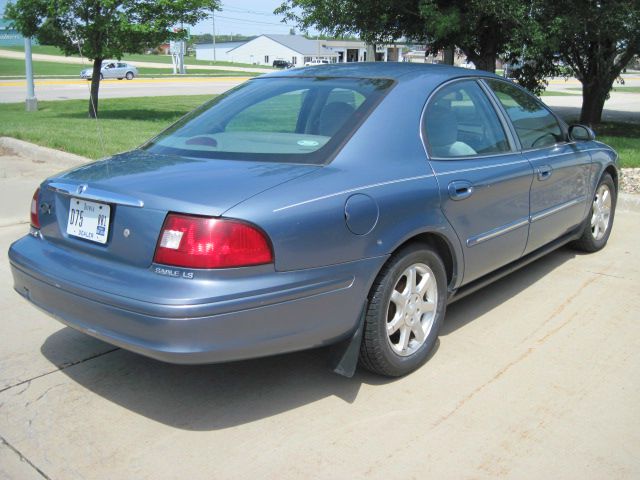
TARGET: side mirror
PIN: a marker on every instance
(581, 133)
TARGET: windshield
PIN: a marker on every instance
(300, 120)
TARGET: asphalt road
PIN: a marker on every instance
(534, 377)
(12, 91)
(620, 106)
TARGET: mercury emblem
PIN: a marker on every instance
(126, 232)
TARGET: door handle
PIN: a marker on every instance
(460, 189)
(544, 172)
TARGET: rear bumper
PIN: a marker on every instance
(284, 312)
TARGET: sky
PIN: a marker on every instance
(246, 17)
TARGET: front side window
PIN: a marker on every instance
(535, 125)
(461, 122)
(301, 120)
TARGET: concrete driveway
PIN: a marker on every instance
(536, 376)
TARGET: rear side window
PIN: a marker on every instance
(535, 125)
(288, 119)
(461, 122)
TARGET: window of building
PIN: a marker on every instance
(266, 59)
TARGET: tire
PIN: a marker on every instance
(129, 75)
(598, 224)
(101, 77)
(119, 78)
(383, 353)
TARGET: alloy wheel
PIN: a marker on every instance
(601, 212)
(412, 309)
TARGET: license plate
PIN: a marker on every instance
(88, 220)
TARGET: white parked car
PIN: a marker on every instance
(112, 69)
(316, 62)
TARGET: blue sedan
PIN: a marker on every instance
(341, 206)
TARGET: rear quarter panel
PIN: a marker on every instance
(385, 160)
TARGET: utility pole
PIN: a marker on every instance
(31, 102)
(213, 24)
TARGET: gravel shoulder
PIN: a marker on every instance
(630, 180)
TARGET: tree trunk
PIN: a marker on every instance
(448, 55)
(594, 95)
(486, 62)
(95, 86)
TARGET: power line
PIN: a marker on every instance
(256, 22)
(240, 10)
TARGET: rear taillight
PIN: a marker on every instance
(205, 242)
(35, 219)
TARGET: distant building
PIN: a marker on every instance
(9, 36)
(204, 51)
(298, 50)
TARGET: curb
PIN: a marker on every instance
(26, 149)
(628, 202)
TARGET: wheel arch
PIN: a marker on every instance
(613, 171)
(443, 247)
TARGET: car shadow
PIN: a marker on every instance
(469, 308)
(206, 397)
(213, 397)
(572, 115)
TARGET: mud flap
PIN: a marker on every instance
(343, 356)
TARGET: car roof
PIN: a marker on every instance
(393, 70)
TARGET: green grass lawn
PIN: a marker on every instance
(627, 89)
(624, 138)
(49, 50)
(615, 89)
(551, 93)
(124, 123)
(14, 68)
(127, 122)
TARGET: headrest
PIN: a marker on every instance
(333, 117)
(442, 126)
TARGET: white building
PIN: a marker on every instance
(298, 50)
(205, 51)
(357, 51)
(263, 50)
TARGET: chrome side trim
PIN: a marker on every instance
(351, 190)
(89, 193)
(554, 155)
(558, 208)
(509, 227)
(483, 167)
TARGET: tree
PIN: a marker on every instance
(482, 29)
(101, 29)
(596, 39)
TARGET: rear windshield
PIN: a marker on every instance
(298, 120)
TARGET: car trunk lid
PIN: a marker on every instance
(140, 188)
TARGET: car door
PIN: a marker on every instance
(121, 70)
(109, 70)
(559, 192)
(484, 181)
